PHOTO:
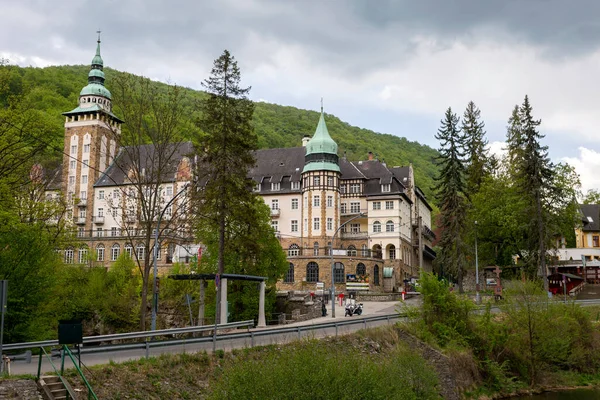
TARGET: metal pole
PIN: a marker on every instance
(155, 268)
(332, 263)
(477, 295)
(4, 288)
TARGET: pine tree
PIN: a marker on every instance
(451, 197)
(227, 152)
(514, 139)
(535, 180)
(477, 158)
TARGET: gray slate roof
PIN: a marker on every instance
(590, 211)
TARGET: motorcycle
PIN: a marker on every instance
(353, 308)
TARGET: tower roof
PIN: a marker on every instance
(321, 150)
(96, 77)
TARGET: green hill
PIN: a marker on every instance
(56, 90)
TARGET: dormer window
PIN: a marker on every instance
(386, 187)
(296, 185)
(257, 187)
(275, 186)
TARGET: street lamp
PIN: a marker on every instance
(362, 214)
(477, 296)
(155, 269)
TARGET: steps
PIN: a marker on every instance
(54, 389)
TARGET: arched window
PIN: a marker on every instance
(361, 269)
(377, 251)
(316, 249)
(376, 227)
(289, 277)
(293, 250)
(100, 252)
(140, 252)
(69, 255)
(389, 226)
(129, 250)
(392, 252)
(365, 250)
(83, 253)
(352, 251)
(338, 273)
(328, 249)
(376, 275)
(114, 252)
(312, 272)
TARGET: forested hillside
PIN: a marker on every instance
(56, 90)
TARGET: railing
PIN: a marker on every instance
(99, 219)
(91, 394)
(275, 212)
(324, 252)
(60, 375)
(354, 235)
(119, 233)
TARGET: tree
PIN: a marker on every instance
(592, 197)
(154, 171)
(226, 154)
(477, 160)
(451, 196)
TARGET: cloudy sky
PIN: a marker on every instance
(390, 66)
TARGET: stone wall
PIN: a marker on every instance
(298, 306)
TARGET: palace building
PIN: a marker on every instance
(368, 218)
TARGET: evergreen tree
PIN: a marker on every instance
(477, 159)
(450, 194)
(514, 139)
(535, 179)
(226, 153)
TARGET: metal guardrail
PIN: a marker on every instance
(132, 335)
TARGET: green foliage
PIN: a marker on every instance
(313, 370)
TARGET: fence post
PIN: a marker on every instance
(336, 329)
(365, 321)
(299, 334)
(40, 363)
(147, 349)
(251, 339)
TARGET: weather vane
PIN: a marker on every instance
(98, 32)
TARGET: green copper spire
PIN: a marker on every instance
(321, 150)
(96, 77)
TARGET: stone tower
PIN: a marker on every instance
(91, 132)
(320, 189)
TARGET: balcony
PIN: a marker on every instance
(354, 235)
(130, 218)
(80, 221)
(275, 212)
(99, 219)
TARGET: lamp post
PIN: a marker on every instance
(155, 269)
(362, 214)
(477, 296)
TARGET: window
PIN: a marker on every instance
(316, 200)
(83, 195)
(330, 181)
(83, 254)
(293, 250)
(376, 227)
(389, 205)
(115, 212)
(100, 252)
(355, 188)
(86, 148)
(389, 226)
(274, 204)
(352, 251)
(275, 225)
(361, 269)
(312, 272)
(355, 228)
(99, 232)
(376, 205)
(596, 241)
(316, 180)
(169, 212)
(305, 224)
(294, 227)
(329, 224)
(385, 187)
(316, 249)
(294, 204)
(392, 252)
(82, 213)
(83, 179)
(140, 252)
(343, 208)
(355, 207)
(257, 187)
(71, 180)
(343, 188)
(116, 194)
(81, 232)
(275, 186)
(114, 231)
(74, 149)
(129, 250)
(72, 164)
(85, 163)
(114, 252)
(316, 223)
(329, 201)
(364, 250)
(101, 212)
(338, 273)
(289, 277)
(69, 254)
(296, 185)
(169, 190)
(101, 194)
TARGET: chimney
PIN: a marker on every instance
(305, 140)
(370, 156)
